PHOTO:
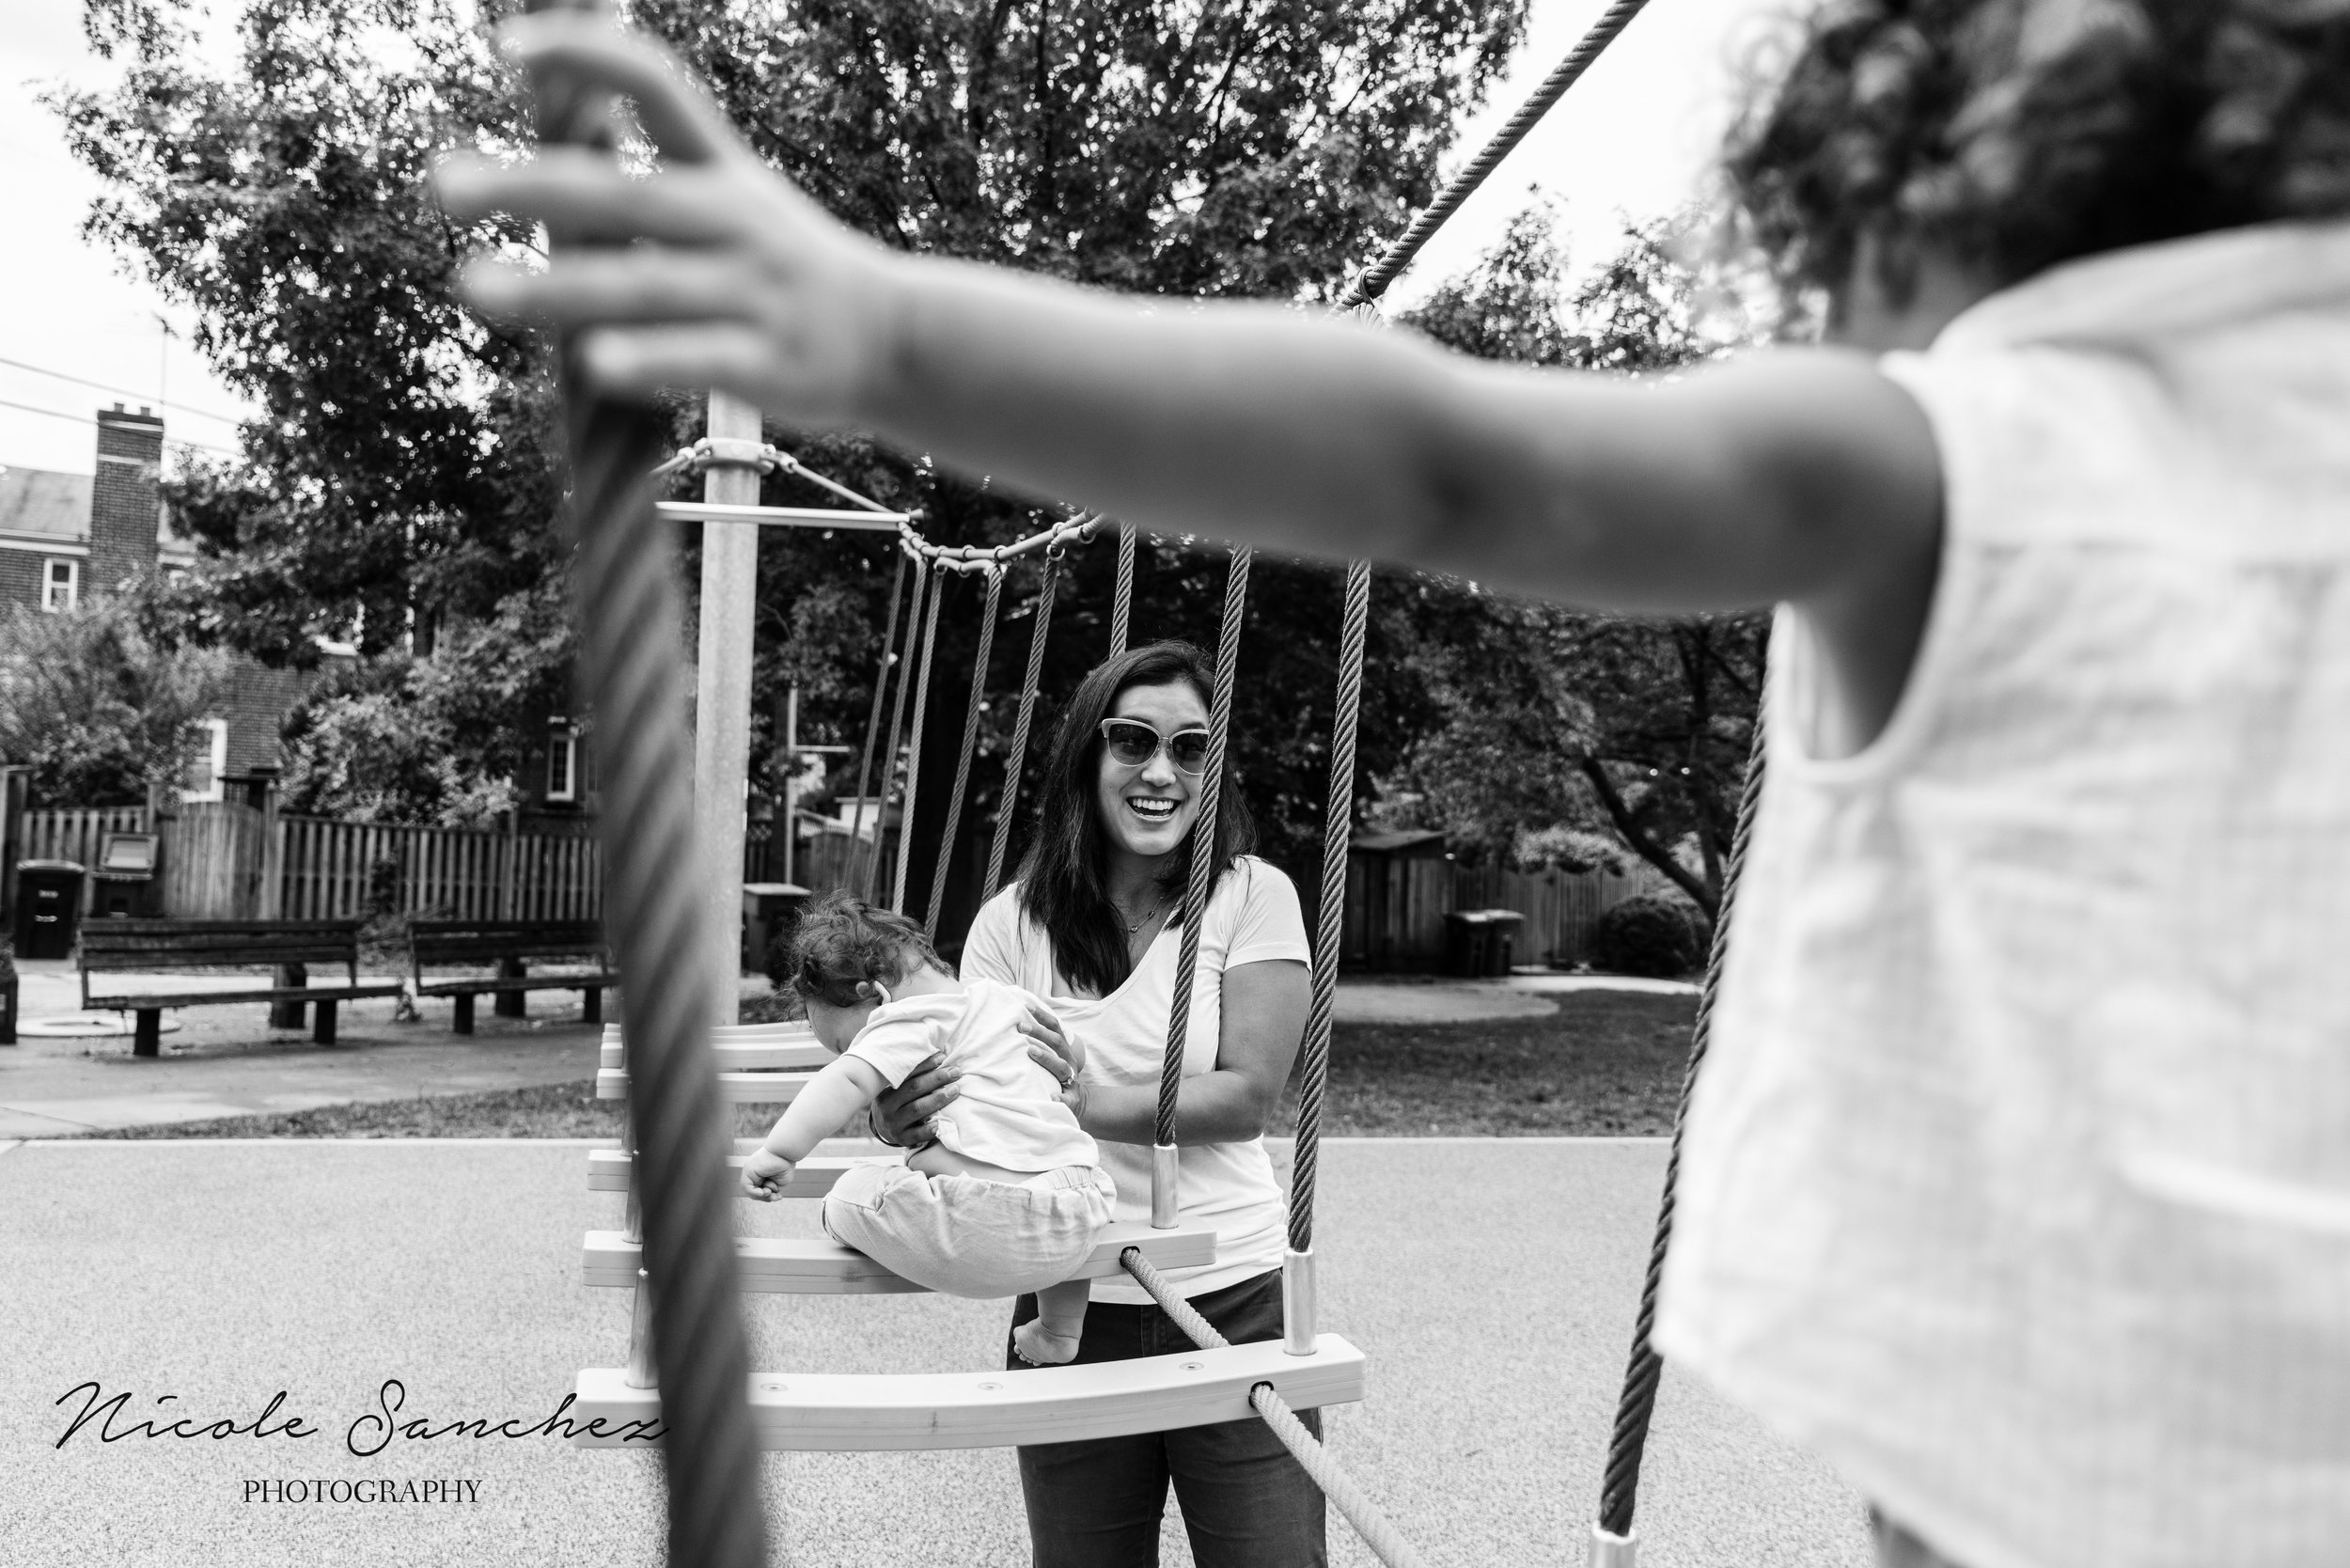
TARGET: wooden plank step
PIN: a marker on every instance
(609, 1171)
(724, 1034)
(773, 1266)
(744, 1054)
(734, 1088)
(840, 1412)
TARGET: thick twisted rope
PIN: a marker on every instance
(628, 604)
(1399, 255)
(1361, 1513)
(1122, 600)
(1203, 867)
(872, 725)
(914, 744)
(963, 755)
(1620, 1485)
(1008, 797)
(1330, 924)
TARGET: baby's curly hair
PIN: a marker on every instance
(841, 941)
(2013, 135)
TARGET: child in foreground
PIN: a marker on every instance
(1010, 1195)
(2017, 1183)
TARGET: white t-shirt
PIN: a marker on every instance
(2017, 1182)
(1252, 918)
(1010, 1112)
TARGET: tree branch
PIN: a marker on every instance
(1637, 836)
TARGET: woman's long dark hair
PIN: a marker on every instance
(1063, 879)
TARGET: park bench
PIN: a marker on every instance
(511, 946)
(148, 946)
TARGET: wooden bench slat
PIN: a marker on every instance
(140, 1001)
(475, 984)
(774, 1266)
(841, 1413)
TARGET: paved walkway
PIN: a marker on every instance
(1492, 1283)
(227, 1061)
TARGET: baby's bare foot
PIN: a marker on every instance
(1041, 1347)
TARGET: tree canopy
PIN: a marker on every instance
(401, 485)
(1627, 727)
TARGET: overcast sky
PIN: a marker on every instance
(1632, 139)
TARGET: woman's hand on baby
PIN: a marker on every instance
(902, 1115)
(1055, 1051)
(712, 271)
(765, 1174)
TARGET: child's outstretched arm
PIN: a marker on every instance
(1797, 474)
(842, 1088)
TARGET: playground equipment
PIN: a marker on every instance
(691, 1343)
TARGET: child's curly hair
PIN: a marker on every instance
(841, 941)
(2013, 134)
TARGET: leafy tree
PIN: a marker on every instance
(1638, 728)
(404, 462)
(100, 706)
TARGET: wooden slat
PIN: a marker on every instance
(773, 1266)
(734, 1088)
(611, 1169)
(746, 1056)
(137, 1001)
(479, 985)
(738, 1034)
(833, 1412)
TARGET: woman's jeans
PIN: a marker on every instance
(1246, 1502)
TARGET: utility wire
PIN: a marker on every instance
(91, 419)
(107, 386)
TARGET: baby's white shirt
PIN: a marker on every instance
(1008, 1109)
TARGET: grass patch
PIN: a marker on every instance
(1608, 1063)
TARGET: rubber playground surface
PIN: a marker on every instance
(1492, 1282)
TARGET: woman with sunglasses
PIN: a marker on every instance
(1094, 923)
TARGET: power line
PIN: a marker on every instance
(103, 386)
(91, 419)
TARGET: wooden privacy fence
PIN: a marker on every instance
(348, 870)
(222, 860)
(1395, 909)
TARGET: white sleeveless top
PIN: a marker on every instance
(2017, 1183)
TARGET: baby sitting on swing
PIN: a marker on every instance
(1010, 1195)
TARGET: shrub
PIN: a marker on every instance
(1652, 937)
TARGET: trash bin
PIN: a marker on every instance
(1466, 934)
(124, 886)
(1501, 941)
(48, 907)
(769, 909)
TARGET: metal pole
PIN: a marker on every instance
(722, 707)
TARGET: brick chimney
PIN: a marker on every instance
(125, 500)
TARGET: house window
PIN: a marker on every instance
(61, 586)
(562, 764)
(209, 761)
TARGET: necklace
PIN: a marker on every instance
(1143, 920)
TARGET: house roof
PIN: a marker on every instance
(1405, 842)
(35, 501)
